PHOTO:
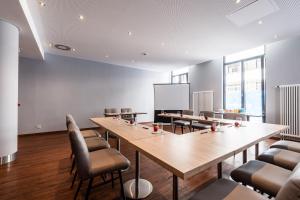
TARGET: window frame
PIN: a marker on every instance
(179, 76)
(263, 82)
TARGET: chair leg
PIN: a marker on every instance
(190, 128)
(112, 180)
(73, 165)
(78, 188)
(71, 155)
(74, 179)
(122, 186)
(174, 131)
(182, 129)
(193, 129)
(89, 189)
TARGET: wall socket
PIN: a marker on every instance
(39, 126)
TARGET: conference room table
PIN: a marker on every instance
(191, 118)
(189, 154)
(125, 113)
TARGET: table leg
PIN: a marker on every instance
(134, 117)
(172, 124)
(244, 156)
(106, 135)
(220, 173)
(137, 188)
(118, 144)
(256, 150)
(175, 187)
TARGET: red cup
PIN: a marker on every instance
(155, 127)
(213, 127)
(206, 118)
(131, 121)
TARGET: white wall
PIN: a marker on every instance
(49, 89)
(208, 76)
(282, 67)
(9, 49)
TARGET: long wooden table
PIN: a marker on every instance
(197, 151)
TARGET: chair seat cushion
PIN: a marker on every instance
(281, 157)
(200, 126)
(89, 133)
(96, 143)
(289, 145)
(226, 189)
(181, 122)
(107, 160)
(261, 175)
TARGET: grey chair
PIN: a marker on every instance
(93, 143)
(128, 117)
(96, 163)
(201, 126)
(229, 190)
(263, 176)
(235, 116)
(183, 123)
(85, 133)
(280, 157)
(111, 111)
(288, 145)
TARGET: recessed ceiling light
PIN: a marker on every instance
(106, 56)
(50, 44)
(42, 3)
(129, 33)
(237, 1)
(73, 49)
(62, 47)
(81, 17)
(260, 22)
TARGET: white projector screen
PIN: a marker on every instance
(171, 96)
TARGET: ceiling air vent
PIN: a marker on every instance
(62, 47)
(253, 12)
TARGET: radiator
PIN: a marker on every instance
(290, 110)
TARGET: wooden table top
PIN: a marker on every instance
(124, 129)
(188, 154)
(126, 113)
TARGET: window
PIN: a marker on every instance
(180, 76)
(244, 82)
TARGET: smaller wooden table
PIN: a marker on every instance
(125, 113)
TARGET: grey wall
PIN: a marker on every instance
(49, 89)
(208, 76)
(282, 67)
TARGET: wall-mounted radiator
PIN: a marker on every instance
(290, 110)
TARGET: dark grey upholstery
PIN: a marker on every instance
(183, 123)
(96, 163)
(226, 189)
(110, 110)
(263, 176)
(127, 117)
(288, 145)
(291, 189)
(281, 157)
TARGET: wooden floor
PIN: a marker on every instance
(41, 171)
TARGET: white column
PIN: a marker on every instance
(9, 66)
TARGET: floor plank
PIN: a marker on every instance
(41, 171)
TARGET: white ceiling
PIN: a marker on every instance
(11, 11)
(192, 31)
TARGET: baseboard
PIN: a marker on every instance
(56, 132)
